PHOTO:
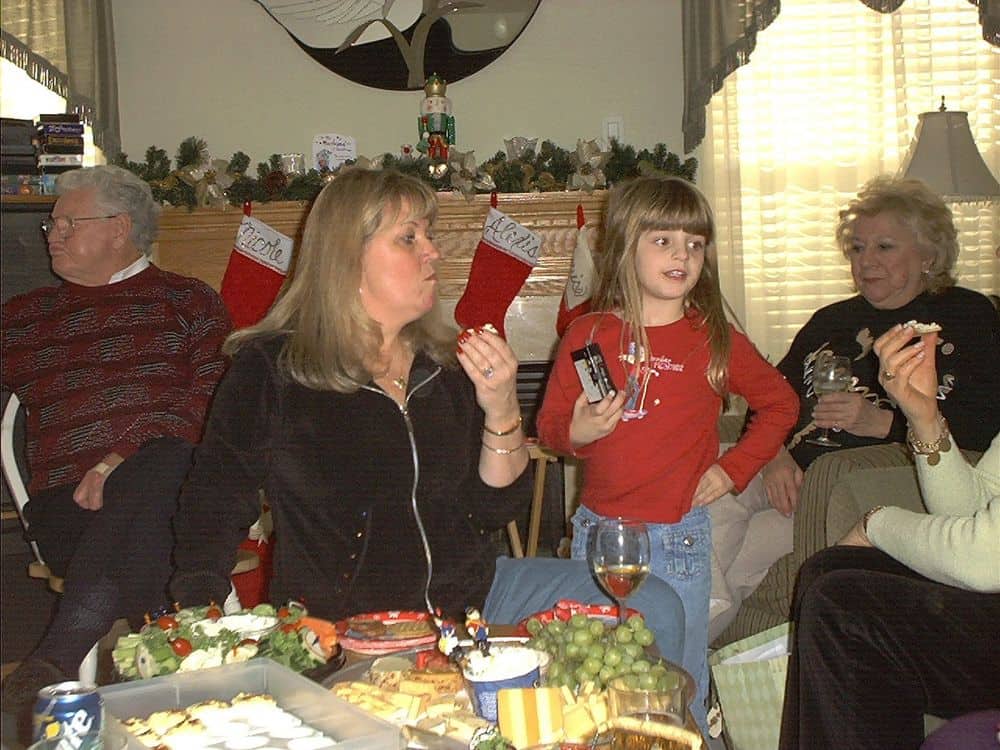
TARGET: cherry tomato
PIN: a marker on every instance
(283, 612)
(166, 622)
(213, 613)
(181, 646)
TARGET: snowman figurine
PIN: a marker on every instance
(435, 126)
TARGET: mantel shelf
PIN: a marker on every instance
(198, 242)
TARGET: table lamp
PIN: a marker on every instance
(944, 155)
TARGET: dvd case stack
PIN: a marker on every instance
(60, 143)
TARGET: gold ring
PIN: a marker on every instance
(887, 376)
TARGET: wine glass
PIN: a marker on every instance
(831, 374)
(618, 553)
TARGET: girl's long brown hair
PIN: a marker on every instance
(657, 203)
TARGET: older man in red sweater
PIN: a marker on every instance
(115, 367)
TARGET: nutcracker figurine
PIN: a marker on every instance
(436, 126)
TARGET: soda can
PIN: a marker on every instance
(69, 710)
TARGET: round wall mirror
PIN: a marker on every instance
(396, 44)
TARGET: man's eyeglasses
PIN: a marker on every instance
(66, 225)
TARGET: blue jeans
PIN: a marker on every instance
(681, 555)
(523, 587)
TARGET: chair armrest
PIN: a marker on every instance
(817, 486)
(853, 495)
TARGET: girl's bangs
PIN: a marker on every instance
(679, 208)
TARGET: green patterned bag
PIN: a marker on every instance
(749, 678)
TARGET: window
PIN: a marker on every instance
(823, 106)
(23, 97)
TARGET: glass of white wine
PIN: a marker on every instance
(831, 374)
(618, 553)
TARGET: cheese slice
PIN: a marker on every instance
(529, 716)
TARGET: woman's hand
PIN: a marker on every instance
(909, 375)
(852, 412)
(782, 480)
(593, 421)
(714, 483)
(491, 365)
(856, 537)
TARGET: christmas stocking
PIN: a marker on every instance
(504, 257)
(257, 268)
(580, 284)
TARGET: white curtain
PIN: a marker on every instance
(829, 99)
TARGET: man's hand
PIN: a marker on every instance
(89, 494)
(593, 421)
(782, 480)
(714, 483)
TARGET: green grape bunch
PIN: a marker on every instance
(589, 650)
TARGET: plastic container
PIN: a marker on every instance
(312, 703)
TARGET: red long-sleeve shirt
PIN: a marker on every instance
(649, 466)
(106, 369)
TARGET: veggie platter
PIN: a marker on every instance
(200, 637)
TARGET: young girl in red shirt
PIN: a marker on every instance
(650, 447)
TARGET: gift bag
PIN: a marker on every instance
(750, 681)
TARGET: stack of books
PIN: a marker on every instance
(60, 143)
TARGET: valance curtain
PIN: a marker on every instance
(68, 46)
(719, 36)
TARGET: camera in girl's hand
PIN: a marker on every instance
(593, 372)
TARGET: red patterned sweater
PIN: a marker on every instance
(106, 369)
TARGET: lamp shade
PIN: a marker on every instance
(944, 155)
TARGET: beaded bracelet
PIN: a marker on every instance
(504, 451)
(933, 449)
(508, 431)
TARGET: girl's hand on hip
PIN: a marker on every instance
(714, 483)
(593, 421)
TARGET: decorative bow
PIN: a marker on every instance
(520, 148)
(466, 177)
(589, 162)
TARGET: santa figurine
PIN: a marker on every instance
(436, 126)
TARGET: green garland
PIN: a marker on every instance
(547, 170)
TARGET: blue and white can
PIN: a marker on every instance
(69, 710)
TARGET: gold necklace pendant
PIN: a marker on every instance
(400, 383)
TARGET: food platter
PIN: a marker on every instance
(377, 633)
(564, 609)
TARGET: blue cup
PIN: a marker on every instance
(484, 692)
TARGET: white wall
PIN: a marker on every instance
(224, 71)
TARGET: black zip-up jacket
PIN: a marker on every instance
(338, 472)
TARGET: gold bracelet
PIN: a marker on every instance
(502, 433)
(504, 451)
(933, 449)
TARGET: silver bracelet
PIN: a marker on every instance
(504, 451)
